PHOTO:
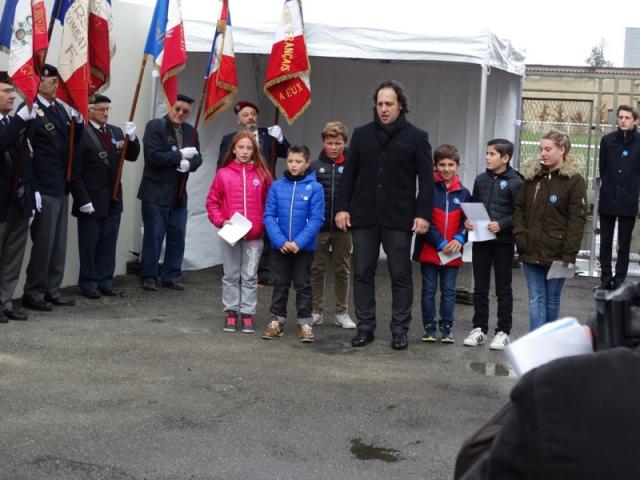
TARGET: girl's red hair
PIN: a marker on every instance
(258, 162)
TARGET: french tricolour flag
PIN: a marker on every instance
(221, 69)
(73, 62)
(165, 43)
(23, 35)
(102, 45)
(286, 82)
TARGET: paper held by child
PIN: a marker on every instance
(234, 231)
(560, 269)
(553, 340)
(477, 214)
(446, 258)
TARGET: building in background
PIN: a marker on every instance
(632, 47)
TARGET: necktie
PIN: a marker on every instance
(5, 121)
(53, 108)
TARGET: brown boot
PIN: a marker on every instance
(274, 329)
(305, 333)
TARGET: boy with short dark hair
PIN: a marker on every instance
(293, 216)
(496, 188)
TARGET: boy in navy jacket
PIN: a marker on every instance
(293, 216)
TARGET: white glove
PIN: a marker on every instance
(75, 115)
(130, 130)
(87, 208)
(188, 152)
(184, 166)
(27, 115)
(276, 132)
(38, 202)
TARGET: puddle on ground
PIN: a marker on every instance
(363, 451)
(490, 369)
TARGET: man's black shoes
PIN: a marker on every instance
(60, 300)
(39, 305)
(399, 341)
(362, 338)
(149, 285)
(92, 293)
(15, 313)
(110, 292)
(177, 285)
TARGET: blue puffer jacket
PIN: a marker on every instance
(294, 211)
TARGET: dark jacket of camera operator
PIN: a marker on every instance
(574, 418)
(550, 213)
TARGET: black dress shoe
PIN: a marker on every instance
(362, 338)
(93, 294)
(149, 285)
(177, 285)
(110, 292)
(3, 317)
(399, 341)
(40, 305)
(60, 300)
(16, 313)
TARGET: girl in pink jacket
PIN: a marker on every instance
(240, 185)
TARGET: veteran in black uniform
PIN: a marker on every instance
(49, 137)
(95, 162)
(17, 195)
(171, 151)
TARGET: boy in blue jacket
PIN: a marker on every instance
(293, 216)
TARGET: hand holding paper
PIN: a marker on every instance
(477, 214)
(236, 228)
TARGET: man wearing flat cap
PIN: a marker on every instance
(247, 117)
(49, 136)
(17, 194)
(95, 164)
(171, 151)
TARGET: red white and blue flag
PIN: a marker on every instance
(165, 43)
(221, 70)
(286, 82)
(102, 45)
(23, 35)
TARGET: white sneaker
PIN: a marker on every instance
(500, 341)
(316, 318)
(344, 320)
(476, 337)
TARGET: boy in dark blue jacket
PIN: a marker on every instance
(496, 188)
(293, 216)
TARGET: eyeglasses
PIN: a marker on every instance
(8, 90)
(186, 111)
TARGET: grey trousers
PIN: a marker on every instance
(13, 240)
(49, 235)
(240, 277)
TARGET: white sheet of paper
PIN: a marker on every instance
(477, 214)
(562, 338)
(234, 231)
(444, 258)
(559, 270)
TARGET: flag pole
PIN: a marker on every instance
(273, 156)
(194, 135)
(116, 185)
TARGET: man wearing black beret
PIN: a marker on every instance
(171, 151)
(49, 137)
(95, 164)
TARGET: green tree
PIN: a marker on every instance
(597, 58)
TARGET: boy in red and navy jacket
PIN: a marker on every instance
(439, 250)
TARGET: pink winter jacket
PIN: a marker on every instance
(238, 188)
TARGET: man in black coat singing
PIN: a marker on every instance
(378, 200)
(17, 195)
(171, 151)
(620, 176)
(94, 173)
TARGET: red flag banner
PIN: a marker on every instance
(221, 70)
(287, 79)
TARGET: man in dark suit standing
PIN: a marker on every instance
(17, 194)
(94, 171)
(171, 151)
(247, 117)
(49, 136)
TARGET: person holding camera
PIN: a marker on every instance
(548, 222)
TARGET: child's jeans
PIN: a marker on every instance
(430, 275)
(287, 266)
(240, 277)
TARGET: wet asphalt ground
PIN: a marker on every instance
(148, 386)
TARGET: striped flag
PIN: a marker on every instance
(165, 43)
(287, 79)
(221, 69)
(102, 45)
(73, 61)
(23, 35)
